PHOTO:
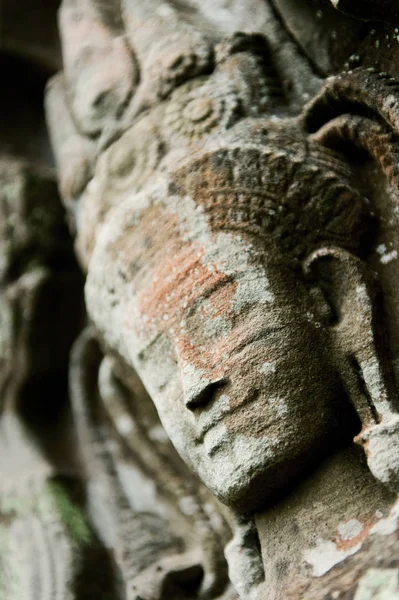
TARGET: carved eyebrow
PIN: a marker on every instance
(259, 336)
(187, 291)
(207, 293)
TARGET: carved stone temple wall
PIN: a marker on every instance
(199, 283)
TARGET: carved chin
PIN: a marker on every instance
(248, 473)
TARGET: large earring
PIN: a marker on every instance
(360, 350)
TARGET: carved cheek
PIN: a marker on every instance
(260, 395)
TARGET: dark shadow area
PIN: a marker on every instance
(23, 129)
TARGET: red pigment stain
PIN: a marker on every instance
(341, 544)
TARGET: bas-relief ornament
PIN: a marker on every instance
(225, 240)
(47, 547)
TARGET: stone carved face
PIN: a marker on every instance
(195, 280)
(219, 326)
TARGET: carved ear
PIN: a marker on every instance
(357, 341)
(359, 350)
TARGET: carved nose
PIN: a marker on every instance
(202, 393)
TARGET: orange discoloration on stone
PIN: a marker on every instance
(178, 284)
(147, 240)
(367, 524)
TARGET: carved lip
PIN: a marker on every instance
(215, 438)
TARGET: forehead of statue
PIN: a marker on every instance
(226, 190)
(180, 265)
